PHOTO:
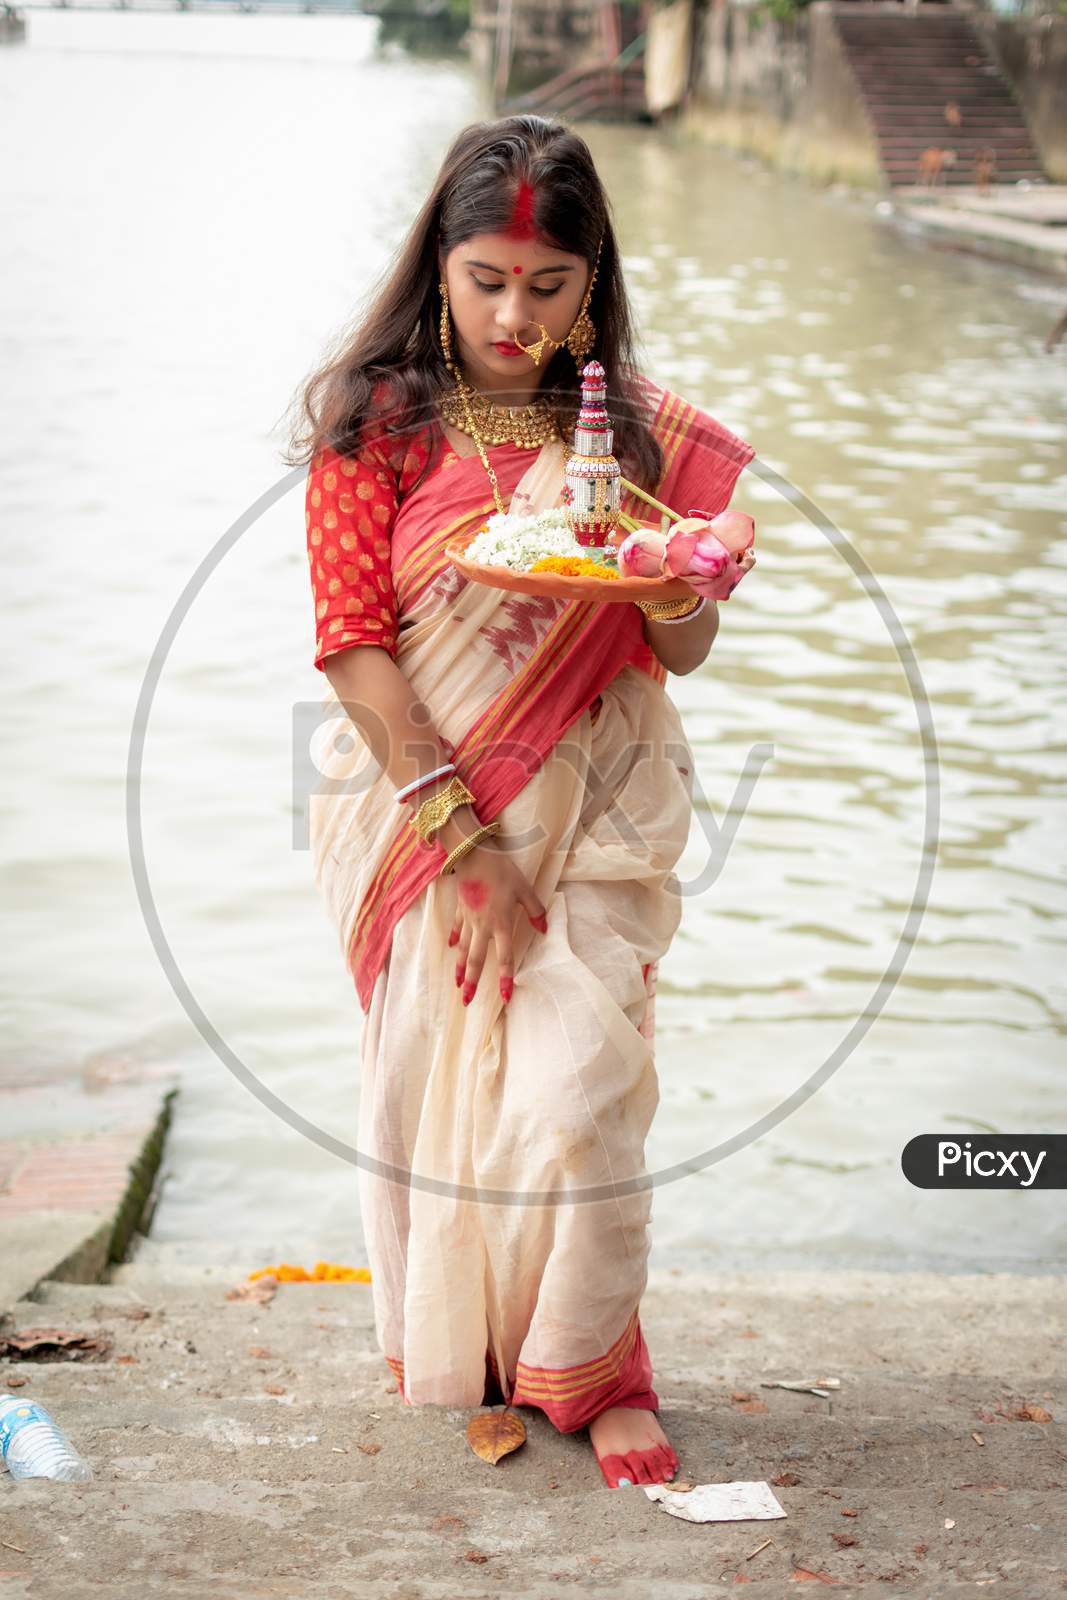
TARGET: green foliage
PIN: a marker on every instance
(786, 10)
(440, 26)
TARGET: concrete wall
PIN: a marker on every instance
(782, 90)
(668, 53)
(1032, 52)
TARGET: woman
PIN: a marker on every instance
(502, 1128)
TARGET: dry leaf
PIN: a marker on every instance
(369, 1449)
(847, 1511)
(1034, 1413)
(785, 1480)
(259, 1292)
(273, 1388)
(843, 1539)
(475, 1555)
(750, 1406)
(53, 1344)
(493, 1434)
(804, 1574)
(16, 1383)
(260, 1352)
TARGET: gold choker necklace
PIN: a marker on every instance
(529, 426)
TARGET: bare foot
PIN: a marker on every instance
(632, 1447)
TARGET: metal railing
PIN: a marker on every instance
(597, 85)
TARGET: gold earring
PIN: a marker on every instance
(582, 336)
(445, 329)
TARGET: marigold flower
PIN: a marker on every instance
(573, 567)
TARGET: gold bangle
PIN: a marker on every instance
(435, 811)
(662, 610)
(467, 845)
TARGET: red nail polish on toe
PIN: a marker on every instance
(460, 970)
(638, 1466)
(540, 923)
(468, 993)
(507, 988)
(453, 938)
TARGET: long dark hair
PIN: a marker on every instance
(395, 353)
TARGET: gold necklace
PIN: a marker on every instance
(528, 426)
(527, 433)
(472, 429)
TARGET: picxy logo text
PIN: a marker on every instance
(986, 1161)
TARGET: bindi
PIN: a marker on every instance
(516, 269)
(473, 893)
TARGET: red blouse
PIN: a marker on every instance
(350, 507)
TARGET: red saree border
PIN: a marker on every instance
(572, 1396)
(500, 752)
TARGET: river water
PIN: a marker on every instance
(196, 205)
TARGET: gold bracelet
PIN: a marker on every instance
(439, 807)
(662, 610)
(467, 845)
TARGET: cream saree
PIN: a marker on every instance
(518, 1246)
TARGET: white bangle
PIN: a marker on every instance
(402, 794)
(668, 622)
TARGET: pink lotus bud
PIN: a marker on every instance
(691, 548)
(712, 554)
(735, 529)
(681, 542)
(641, 554)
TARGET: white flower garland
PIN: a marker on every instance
(514, 541)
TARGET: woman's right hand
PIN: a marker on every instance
(491, 889)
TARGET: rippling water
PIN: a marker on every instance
(211, 203)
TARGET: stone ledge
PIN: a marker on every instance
(70, 1205)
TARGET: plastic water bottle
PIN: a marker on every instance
(34, 1446)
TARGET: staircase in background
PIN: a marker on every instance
(608, 84)
(908, 67)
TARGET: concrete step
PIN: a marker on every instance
(907, 70)
(913, 144)
(227, 1455)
